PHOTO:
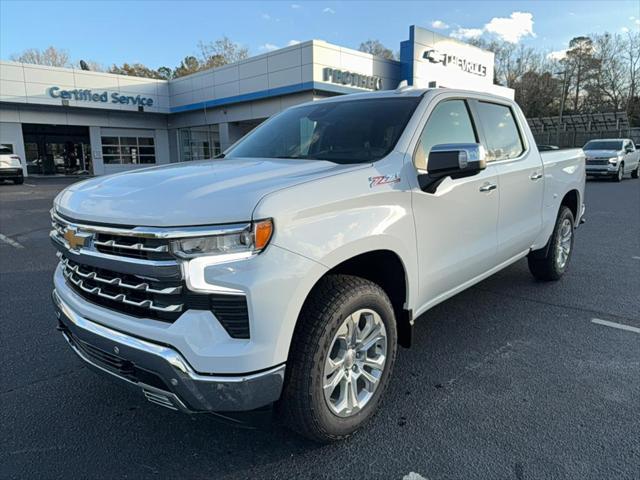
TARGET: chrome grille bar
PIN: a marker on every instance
(135, 246)
(154, 232)
(117, 281)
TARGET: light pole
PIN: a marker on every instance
(562, 95)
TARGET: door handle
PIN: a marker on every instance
(487, 187)
(535, 176)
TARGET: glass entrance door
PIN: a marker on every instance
(57, 150)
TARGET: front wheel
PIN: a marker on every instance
(341, 359)
(636, 172)
(619, 174)
(551, 262)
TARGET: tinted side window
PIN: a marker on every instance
(501, 132)
(448, 123)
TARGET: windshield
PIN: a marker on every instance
(350, 131)
(603, 145)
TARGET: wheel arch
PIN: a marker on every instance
(571, 200)
(385, 268)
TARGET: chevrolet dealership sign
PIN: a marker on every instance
(100, 97)
(448, 60)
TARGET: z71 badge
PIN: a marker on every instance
(383, 180)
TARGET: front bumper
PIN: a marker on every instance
(161, 372)
(602, 170)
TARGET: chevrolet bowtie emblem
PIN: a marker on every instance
(76, 239)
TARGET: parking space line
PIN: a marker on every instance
(619, 326)
(9, 241)
(636, 258)
(29, 185)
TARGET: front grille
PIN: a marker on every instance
(597, 161)
(149, 290)
(140, 297)
(125, 246)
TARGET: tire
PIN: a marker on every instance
(636, 172)
(619, 174)
(304, 406)
(547, 264)
(18, 181)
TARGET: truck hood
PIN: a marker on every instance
(602, 153)
(194, 193)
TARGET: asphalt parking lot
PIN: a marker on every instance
(510, 379)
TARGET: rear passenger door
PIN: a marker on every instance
(521, 176)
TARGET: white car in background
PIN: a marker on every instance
(10, 165)
(612, 157)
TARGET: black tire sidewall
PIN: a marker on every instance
(327, 421)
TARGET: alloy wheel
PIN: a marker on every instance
(355, 363)
(564, 243)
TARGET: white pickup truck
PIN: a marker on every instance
(289, 271)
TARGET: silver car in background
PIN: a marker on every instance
(612, 157)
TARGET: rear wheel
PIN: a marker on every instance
(18, 181)
(636, 172)
(551, 262)
(342, 355)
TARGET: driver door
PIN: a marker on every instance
(456, 227)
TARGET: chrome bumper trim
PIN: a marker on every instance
(187, 390)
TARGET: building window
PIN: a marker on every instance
(6, 149)
(199, 143)
(128, 150)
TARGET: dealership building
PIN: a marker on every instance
(70, 121)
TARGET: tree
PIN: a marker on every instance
(189, 65)
(374, 47)
(220, 52)
(581, 66)
(165, 73)
(135, 70)
(51, 56)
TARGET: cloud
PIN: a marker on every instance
(557, 55)
(329, 10)
(466, 33)
(295, 6)
(624, 30)
(637, 22)
(510, 29)
(266, 16)
(439, 24)
(292, 42)
(268, 47)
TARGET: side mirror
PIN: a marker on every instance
(455, 160)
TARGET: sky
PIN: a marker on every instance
(161, 33)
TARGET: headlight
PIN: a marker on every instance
(252, 239)
(613, 160)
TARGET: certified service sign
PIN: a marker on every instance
(100, 97)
